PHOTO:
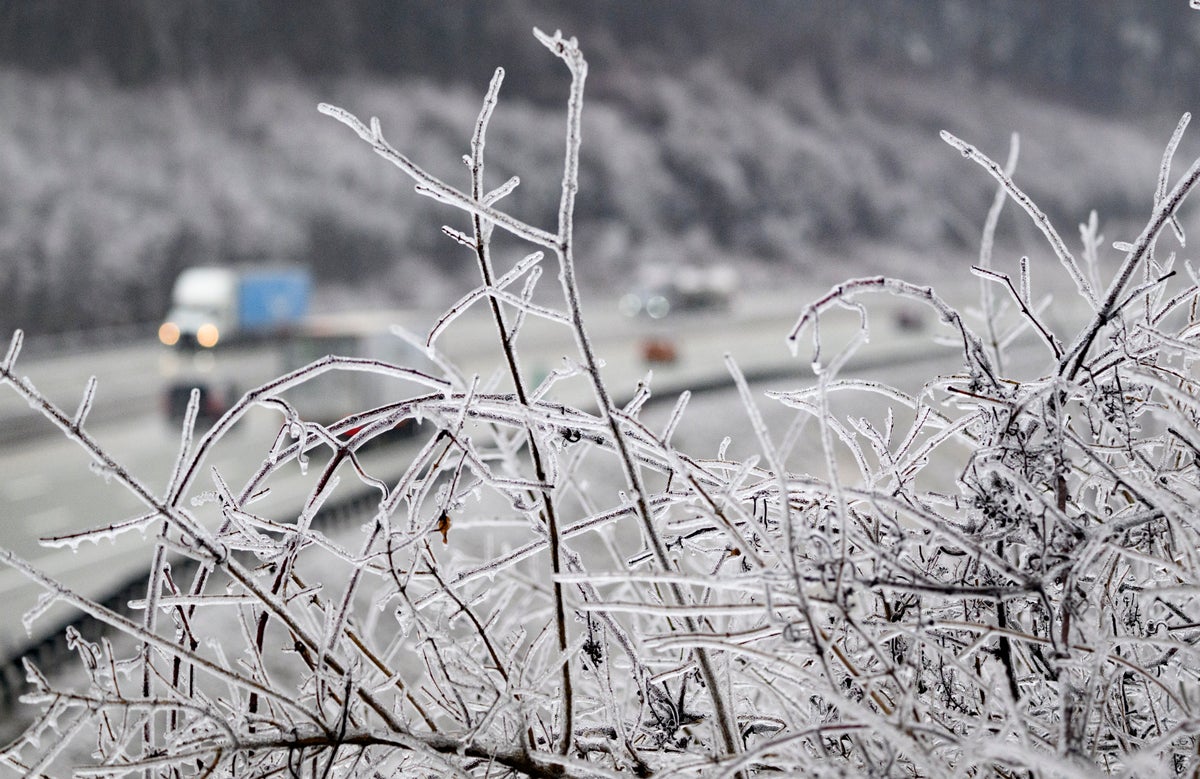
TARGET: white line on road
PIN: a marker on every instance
(51, 521)
(33, 485)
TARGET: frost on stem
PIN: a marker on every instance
(1026, 203)
(991, 576)
(14, 349)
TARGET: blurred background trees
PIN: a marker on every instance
(1107, 54)
(138, 137)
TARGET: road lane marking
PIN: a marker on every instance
(33, 485)
(50, 521)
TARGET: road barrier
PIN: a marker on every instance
(52, 651)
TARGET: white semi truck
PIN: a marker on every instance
(211, 305)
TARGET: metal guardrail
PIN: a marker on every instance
(37, 346)
(53, 651)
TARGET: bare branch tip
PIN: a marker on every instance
(85, 403)
(346, 118)
(14, 349)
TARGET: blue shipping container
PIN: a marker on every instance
(272, 299)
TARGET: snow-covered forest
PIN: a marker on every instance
(139, 138)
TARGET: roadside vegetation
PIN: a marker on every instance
(994, 576)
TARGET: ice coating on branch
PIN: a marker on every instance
(502, 191)
(1164, 174)
(1039, 218)
(106, 532)
(103, 470)
(205, 498)
(85, 403)
(14, 350)
(44, 602)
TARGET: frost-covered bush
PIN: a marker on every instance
(994, 576)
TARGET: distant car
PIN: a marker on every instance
(653, 303)
(659, 350)
(687, 288)
(909, 321)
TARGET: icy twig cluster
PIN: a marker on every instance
(994, 576)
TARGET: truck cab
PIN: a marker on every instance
(202, 308)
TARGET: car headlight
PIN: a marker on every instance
(630, 304)
(658, 306)
(168, 333)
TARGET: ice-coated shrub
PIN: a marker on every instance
(995, 576)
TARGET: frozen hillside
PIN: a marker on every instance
(138, 138)
(111, 191)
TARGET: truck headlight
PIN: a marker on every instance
(168, 333)
(207, 335)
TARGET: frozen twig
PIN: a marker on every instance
(1164, 210)
(987, 244)
(1026, 203)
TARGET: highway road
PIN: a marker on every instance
(47, 487)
